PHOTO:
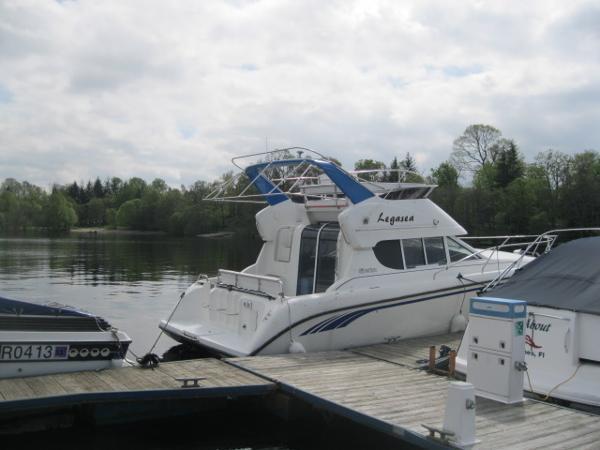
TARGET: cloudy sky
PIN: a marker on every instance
(175, 89)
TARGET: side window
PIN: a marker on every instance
(457, 251)
(413, 252)
(389, 254)
(434, 249)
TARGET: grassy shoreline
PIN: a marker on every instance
(120, 231)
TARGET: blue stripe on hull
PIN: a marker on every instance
(344, 320)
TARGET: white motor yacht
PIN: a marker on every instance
(345, 262)
(45, 339)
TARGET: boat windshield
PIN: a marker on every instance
(459, 251)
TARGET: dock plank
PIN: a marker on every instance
(14, 389)
(43, 387)
(409, 351)
(114, 383)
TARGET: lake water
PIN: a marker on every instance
(132, 281)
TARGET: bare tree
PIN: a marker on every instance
(555, 165)
(478, 145)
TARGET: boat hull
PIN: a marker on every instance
(350, 321)
(30, 353)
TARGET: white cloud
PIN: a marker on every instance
(173, 90)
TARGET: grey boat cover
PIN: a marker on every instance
(24, 316)
(568, 277)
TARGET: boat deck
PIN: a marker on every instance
(377, 386)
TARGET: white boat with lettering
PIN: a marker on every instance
(345, 262)
(44, 339)
(562, 291)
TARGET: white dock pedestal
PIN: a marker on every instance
(495, 361)
(460, 414)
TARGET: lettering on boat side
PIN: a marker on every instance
(394, 219)
(534, 348)
(537, 326)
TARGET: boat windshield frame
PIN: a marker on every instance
(307, 178)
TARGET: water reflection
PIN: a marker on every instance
(131, 280)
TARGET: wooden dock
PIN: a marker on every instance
(129, 383)
(121, 395)
(379, 387)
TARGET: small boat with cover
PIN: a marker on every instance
(44, 339)
(562, 291)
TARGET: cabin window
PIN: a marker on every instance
(318, 255)
(414, 254)
(389, 254)
(458, 251)
(411, 253)
(434, 251)
(408, 193)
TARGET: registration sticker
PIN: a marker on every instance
(519, 328)
(33, 352)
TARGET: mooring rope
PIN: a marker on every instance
(151, 360)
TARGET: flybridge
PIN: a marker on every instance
(315, 181)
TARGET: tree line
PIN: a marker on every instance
(114, 203)
(508, 194)
(486, 185)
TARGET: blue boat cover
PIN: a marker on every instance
(355, 191)
(568, 277)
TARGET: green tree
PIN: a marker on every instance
(553, 167)
(159, 185)
(542, 216)
(393, 173)
(448, 190)
(509, 163)
(581, 192)
(98, 189)
(20, 205)
(131, 189)
(111, 218)
(408, 163)
(59, 214)
(375, 168)
(95, 212)
(129, 214)
(445, 175)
